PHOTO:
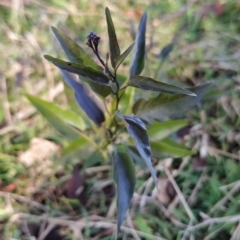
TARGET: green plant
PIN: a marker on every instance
(106, 83)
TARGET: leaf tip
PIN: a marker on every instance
(107, 10)
(192, 94)
(53, 28)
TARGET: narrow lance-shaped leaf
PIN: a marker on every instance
(73, 51)
(73, 148)
(166, 106)
(138, 58)
(147, 83)
(169, 148)
(123, 56)
(113, 43)
(60, 119)
(166, 51)
(124, 176)
(81, 70)
(76, 54)
(92, 106)
(137, 130)
(160, 130)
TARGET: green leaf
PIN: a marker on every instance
(147, 83)
(113, 43)
(77, 55)
(73, 51)
(87, 100)
(58, 118)
(123, 56)
(160, 130)
(101, 90)
(142, 224)
(124, 176)
(92, 74)
(169, 148)
(166, 51)
(137, 63)
(73, 104)
(166, 106)
(137, 130)
(74, 147)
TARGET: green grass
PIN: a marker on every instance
(202, 53)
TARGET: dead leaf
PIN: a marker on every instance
(167, 192)
(206, 10)
(75, 188)
(199, 163)
(11, 187)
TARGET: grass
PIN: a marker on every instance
(200, 194)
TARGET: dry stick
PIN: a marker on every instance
(212, 234)
(236, 233)
(181, 197)
(5, 103)
(226, 197)
(81, 224)
(229, 219)
(230, 185)
(186, 234)
(192, 197)
(46, 231)
(130, 224)
(149, 182)
(224, 153)
(29, 202)
(162, 208)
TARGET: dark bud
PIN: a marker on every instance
(93, 41)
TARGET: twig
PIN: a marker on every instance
(229, 219)
(226, 197)
(80, 224)
(148, 184)
(224, 153)
(236, 233)
(4, 100)
(181, 197)
(130, 224)
(29, 202)
(192, 197)
(186, 234)
(162, 208)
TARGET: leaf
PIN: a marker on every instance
(74, 147)
(92, 74)
(101, 90)
(137, 130)
(77, 55)
(76, 186)
(86, 99)
(113, 43)
(166, 106)
(123, 56)
(57, 117)
(166, 51)
(169, 148)
(147, 83)
(69, 92)
(137, 63)
(160, 130)
(73, 51)
(124, 176)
